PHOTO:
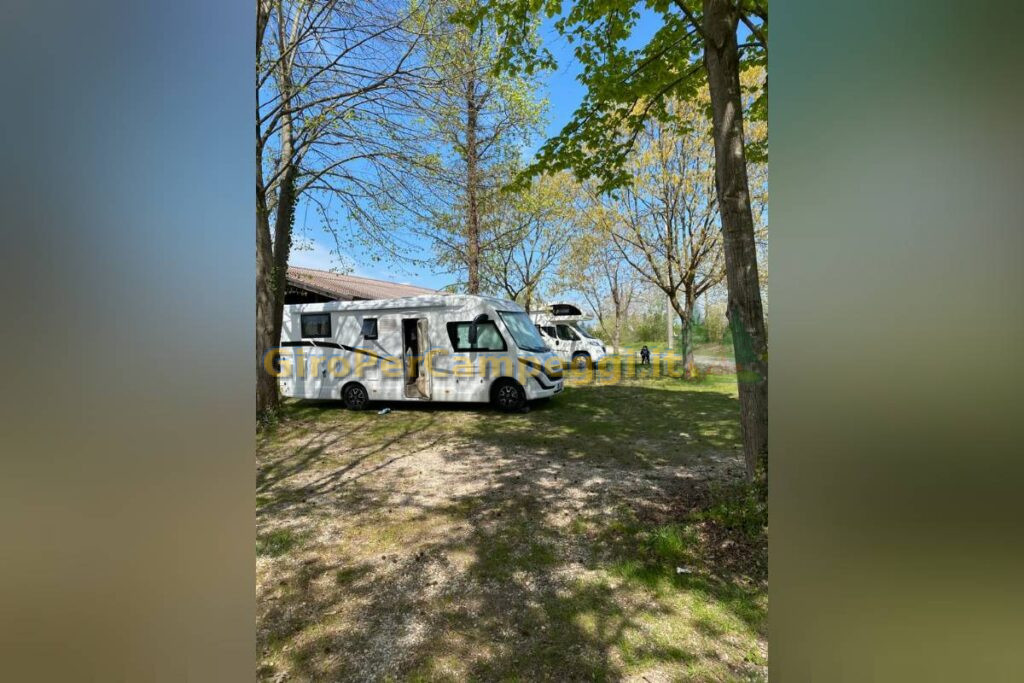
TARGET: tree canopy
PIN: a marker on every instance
(625, 87)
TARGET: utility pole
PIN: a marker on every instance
(668, 320)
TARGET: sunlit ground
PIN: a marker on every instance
(605, 534)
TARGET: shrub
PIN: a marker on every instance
(742, 508)
(716, 324)
(646, 327)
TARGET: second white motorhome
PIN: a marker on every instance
(559, 326)
(424, 348)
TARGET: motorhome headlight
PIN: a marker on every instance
(551, 368)
(532, 364)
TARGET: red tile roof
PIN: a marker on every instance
(347, 287)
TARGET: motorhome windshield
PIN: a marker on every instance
(523, 331)
(583, 332)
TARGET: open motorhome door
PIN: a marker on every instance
(423, 381)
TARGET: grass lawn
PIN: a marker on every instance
(709, 350)
(604, 535)
(723, 351)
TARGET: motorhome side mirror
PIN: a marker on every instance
(482, 318)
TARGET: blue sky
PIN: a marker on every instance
(564, 93)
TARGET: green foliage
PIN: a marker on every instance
(532, 230)
(671, 543)
(457, 149)
(277, 543)
(742, 509)
(698, 333)
(625, 87)
(649, 326)
(704, 332)
(716, 325)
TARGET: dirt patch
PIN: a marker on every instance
(426, 549)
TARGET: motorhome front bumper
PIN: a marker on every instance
(541, 387)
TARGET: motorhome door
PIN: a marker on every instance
(424, 380)
(567, 339)
(414, 345)
(548, 334)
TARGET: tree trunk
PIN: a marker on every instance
(670, 305)
(472, 181)
(617, 332)
(746, 316)
(271, 279)
(283, 245)
(685, 313)
(266, 385)
(689, 364)
(272, 262)
(686, 321)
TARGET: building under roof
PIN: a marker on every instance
(306, 285)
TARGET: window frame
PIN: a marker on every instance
(575, 337)
(302, 326)
(376, 329)
(453, 336)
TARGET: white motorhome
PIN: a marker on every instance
(425, 348)
(559, 326)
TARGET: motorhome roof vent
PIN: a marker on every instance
(565, 309)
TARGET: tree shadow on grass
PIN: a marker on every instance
(630, 424)
(528, 577)
(627, 425)
(319, 467)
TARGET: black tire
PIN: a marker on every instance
(508, 396)
(581, 361)
(354, 396)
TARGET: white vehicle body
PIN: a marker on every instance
(414, 349)
(558, 325)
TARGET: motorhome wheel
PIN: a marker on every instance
(581, 361)
(509, 396)
(354, 396)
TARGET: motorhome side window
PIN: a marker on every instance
(487, 337)
(316, 325)
(369, 328)
(565, 332)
